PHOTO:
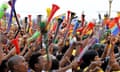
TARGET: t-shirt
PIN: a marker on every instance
(100, 70)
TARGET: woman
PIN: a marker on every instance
(91, 62)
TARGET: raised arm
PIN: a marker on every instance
(67, 54)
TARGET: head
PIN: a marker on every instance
(99, 48)
(42, 51)
(3, 66)
(17, 64)
(90, 55)
(35, 62)
(46, 62)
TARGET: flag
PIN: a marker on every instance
(113, 26)
(91, 25)
(89, 28)
(115, 30)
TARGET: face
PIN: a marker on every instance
(11, 35)
(22, 66)
(39, 63)
(97, 58)
(43, 51)
(45, 64)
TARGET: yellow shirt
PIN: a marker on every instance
(115, 71)
(100, 70)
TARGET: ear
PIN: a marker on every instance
(15, 67)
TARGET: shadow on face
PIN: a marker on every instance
(17, 63)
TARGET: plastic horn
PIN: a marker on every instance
(39, 17)
(68, 16)
(26, 22)
(53, 11)
(91, 42)
(69, 22)
(59, 22)
(34, 36)
(118, 14)
(41, 23)
(12, 5)
(15, 15)
(29, 25)
(100, 18)
(29, 17)
(82, 19)
(11, 14)
(2, 8)
(68, 19)
(1, 12)
(48, 10)
(16, 44)
(76, 26)
(72, 15)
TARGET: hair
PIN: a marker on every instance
(3, 66)
(59, 57)
(100, 48)
(55, 64)
(88, 57)
(33, 60)
(13, 61)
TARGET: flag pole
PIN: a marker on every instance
(110, 5)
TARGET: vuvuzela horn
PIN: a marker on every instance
(48, 10)
(53, 11)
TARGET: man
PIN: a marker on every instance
(35, 62)
(17, 64)
(52, 64)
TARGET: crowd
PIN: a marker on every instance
(60, 46)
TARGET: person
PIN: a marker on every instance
(91, 61)
(3, 66)
(52, 64)
(35, 62)
(17, 64)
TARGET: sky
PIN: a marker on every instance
(91, 8)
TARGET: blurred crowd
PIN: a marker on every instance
(66, 44)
